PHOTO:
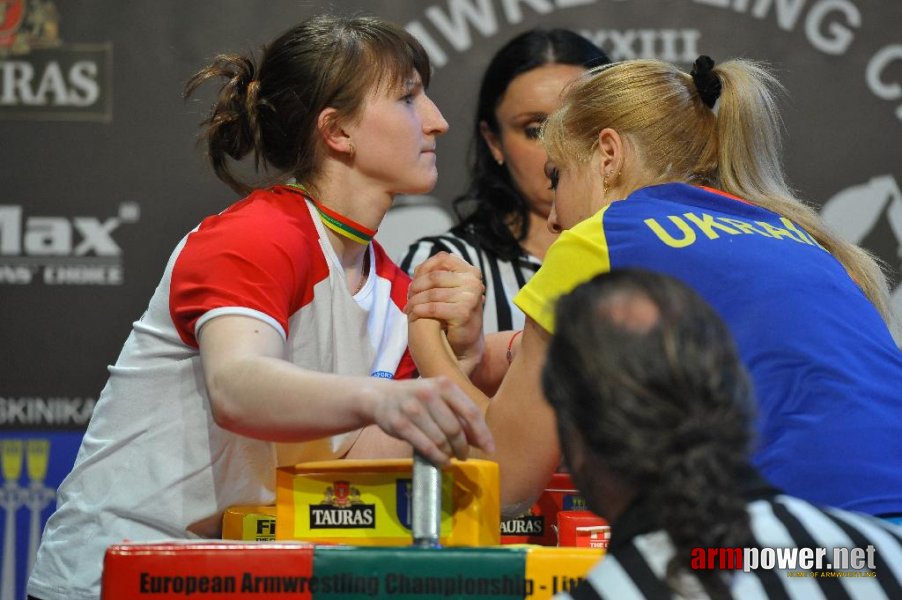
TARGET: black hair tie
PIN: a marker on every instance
(706, 80)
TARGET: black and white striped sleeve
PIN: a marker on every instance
(636, 569)
(426, 247)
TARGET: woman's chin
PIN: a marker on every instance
(422, 187)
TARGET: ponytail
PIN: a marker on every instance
(749, 151)
(231, 129)
(695, 490)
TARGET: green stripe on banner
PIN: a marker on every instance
(377, 572)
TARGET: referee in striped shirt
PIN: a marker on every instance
(654, 414)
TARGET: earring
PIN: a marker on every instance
(500, 162)
(351, 149)
(605, 186)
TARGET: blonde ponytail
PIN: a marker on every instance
(749, 166)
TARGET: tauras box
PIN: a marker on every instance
(537, 525)
(369, 502)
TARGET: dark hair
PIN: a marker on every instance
(665, 406)
(499, 208)
(272, 109)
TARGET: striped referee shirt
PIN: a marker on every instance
(503, 279)
(636, 562)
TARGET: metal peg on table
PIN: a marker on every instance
(426, 518)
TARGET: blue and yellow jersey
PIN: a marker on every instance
(826, 371)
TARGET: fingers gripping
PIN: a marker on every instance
(469, 416)
(439, 421)
(445, 295)
(443, 261)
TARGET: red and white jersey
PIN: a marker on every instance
(153, 464)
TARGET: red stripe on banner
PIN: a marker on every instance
(220, 570)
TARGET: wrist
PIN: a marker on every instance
(471, 357)
(367, 398)
(429, 347)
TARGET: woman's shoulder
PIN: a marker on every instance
(266, 226)
(278, 200)
(279, 211)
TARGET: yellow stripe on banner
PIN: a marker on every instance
(552, 570)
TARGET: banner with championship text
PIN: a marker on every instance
(233, 571)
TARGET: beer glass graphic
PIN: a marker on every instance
(10, 499)
(37, 496)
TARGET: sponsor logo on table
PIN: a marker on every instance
(342, 508)
(524, 525)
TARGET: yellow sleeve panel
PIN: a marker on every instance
(578, 255)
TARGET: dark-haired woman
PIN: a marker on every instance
(276, 334)
(503, 230)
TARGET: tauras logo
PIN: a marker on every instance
(40, 78)
(26, 25)
(61, 250)
(361, 516)
(525, 525)
(65, 83)
(342, 508)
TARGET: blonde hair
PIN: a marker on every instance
(736, 147)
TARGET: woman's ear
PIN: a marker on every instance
(611, 151)
(492, 141)
(332, 133)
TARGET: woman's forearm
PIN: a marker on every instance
(434, 357)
